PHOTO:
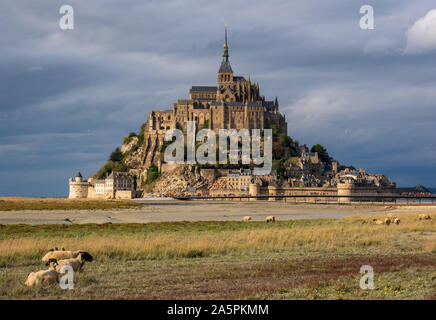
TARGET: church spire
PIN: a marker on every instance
(226, 47)
(225, 64)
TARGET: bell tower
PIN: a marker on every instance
(225, 75)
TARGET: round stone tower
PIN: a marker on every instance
(345, 189)
(78, 187)
(272, 191)
(253, 190)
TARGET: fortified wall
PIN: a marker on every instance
(368, 193)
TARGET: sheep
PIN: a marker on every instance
(246, 218)
(76, 263)
(270, 219)
(43, 277)
(424, 216)
(397, 221)
(386, 221)
(391, 216)
(60, 254)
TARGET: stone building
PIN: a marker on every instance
(234, 103)
(240, 179)
(118, 185)
(78, 187)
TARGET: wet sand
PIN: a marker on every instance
(161, 211)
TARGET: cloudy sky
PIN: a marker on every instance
(67, 97)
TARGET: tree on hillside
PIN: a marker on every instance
(284, 140)
(322, 152)
(275, 131)
(277, 151)
(116, 155)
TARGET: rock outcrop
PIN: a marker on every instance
(181, 180)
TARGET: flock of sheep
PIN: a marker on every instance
(56, 259)
(387, 221)
(267, 219)
(390, 218)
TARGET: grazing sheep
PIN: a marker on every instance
(76, 263)
(270, 219)
(391, 216)
(246, 218)
(43, 277)
(424, 216)
(397, 221)
(387, 221)
(60, 254)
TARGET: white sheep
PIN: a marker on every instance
(270, 219)
(376, 221)
(424, 216)
(397, 221)
(43, 277)
(391, 216)
(246, 218)
(59, 254)
(76, 263)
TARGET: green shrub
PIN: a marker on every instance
(322, 152)
(152, 174)
(105, 170)
(116, 155)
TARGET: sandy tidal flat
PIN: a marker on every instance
(161, 211)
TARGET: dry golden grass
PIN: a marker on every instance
(21, 203)
(228, 260)
(353, 233)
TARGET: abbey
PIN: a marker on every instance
(146, 162)
(234, 103)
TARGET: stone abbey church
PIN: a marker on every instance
(235, 103)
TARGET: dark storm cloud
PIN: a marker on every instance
(68, 97)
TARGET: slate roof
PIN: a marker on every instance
(236, 104)
(269, 104)
(225, 66)
(203, 89)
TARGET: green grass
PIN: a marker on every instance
(275, 276)
(409, 283)
(92, 229)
